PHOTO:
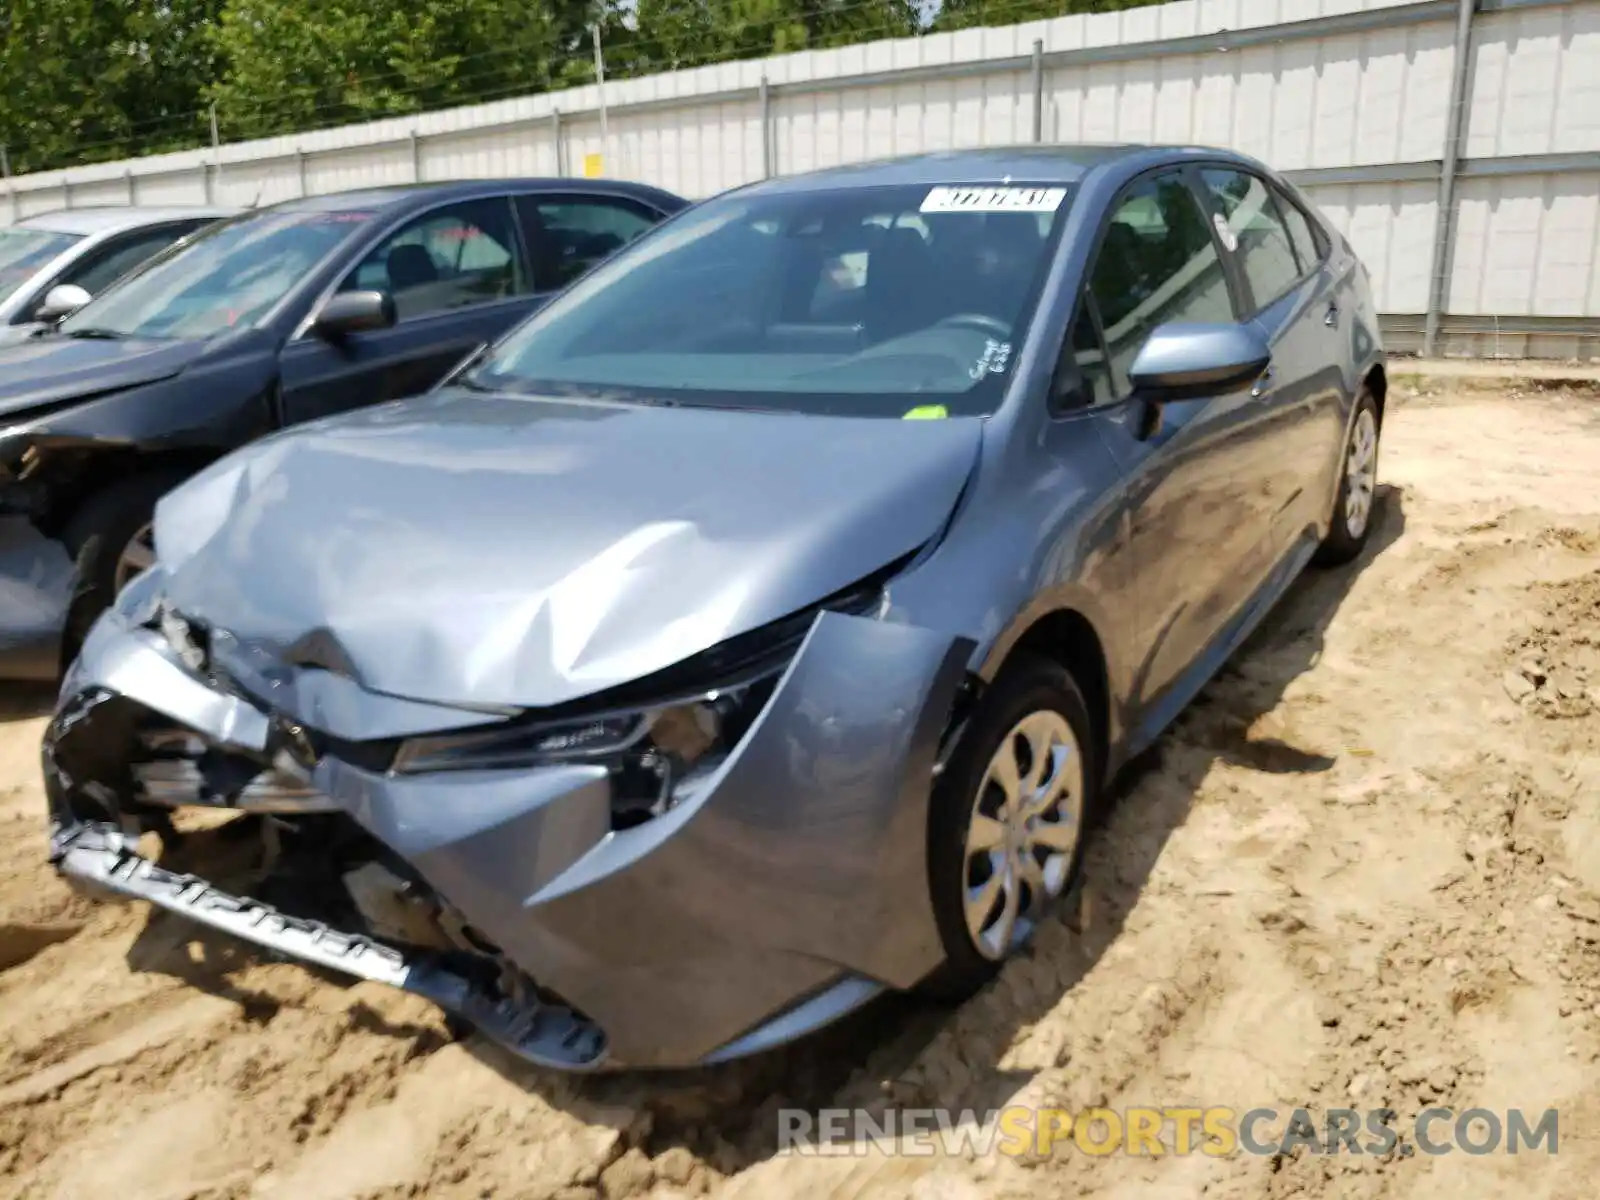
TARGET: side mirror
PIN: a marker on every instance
(61, 301)
(354, 312)
(1188, 361)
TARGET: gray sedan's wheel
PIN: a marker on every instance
(1007, 821)
(1023, 833)
(1356, 504)
(1360, 473)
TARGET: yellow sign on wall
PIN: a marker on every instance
(593, 166)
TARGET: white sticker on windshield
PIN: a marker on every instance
(995, 358)
(993, 199)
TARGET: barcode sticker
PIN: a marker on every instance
(993, 199)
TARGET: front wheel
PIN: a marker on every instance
(1007, 822)
(109, 537)
(1355, 505)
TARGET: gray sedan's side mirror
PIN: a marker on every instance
(355, 312)
(61, 301)
(1183, 361)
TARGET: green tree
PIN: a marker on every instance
(88, 80)
(672, 34)
(963, 14)
(301, 64)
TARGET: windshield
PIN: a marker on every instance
(24, 251)
(876, 302)
(226, 276)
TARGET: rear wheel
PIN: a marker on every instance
(109, 537)
(1356, 503)
(1006, 827)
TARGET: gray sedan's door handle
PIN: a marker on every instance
(1332, 319)
(1263, 383)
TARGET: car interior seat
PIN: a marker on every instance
(900, 284)
(410, 266)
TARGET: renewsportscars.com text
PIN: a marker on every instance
(1157, 1131)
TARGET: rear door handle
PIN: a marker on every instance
(1263, 383)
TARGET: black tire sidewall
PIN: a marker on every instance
(96, 535)
(1030, 686)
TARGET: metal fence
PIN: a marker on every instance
(1389, 113)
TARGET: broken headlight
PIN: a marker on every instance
(656, 734)
(650, 752)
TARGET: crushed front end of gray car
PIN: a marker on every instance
(695, 866)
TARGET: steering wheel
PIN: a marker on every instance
(982, 322)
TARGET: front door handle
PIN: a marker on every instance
(1263, 383)
(1332, 319)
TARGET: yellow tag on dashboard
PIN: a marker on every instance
(927, 412)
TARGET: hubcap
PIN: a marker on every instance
(1023, 832)
(137, 556)
(1361, 473)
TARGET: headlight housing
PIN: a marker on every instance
(655, 735)
(650, 753)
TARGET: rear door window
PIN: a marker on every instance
(1307, 246)
(567, 235)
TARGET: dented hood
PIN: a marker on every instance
(500, 550)
(53, 369)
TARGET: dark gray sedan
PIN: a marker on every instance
(755, 627)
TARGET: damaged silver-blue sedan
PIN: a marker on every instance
(754, 628)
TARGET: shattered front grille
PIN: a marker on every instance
(185, 770)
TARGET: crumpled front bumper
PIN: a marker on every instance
(36, 583)
(788, 891)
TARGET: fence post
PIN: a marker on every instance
(127, 179)
(416, 157)
(300, 168)
(66, 192)
(766, 128)
(1038, 89)
(214, 176)
(1438, 283)
(556, 138)
(600, 82)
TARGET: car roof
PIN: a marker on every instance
(400, 196)
(1029, 163)
(113, 217)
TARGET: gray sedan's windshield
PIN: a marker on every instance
(24, 251)
(865, 301)
(225, 277)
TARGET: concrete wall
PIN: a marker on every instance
(1351, 97)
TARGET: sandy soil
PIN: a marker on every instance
(1364, 869)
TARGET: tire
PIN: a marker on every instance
(96, 535)
(1034, 690)
(1347, 537)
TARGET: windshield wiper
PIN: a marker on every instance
(104, 335)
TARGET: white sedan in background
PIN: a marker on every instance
(52, 263)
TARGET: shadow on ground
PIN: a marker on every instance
(24, 701)
(728, 1115)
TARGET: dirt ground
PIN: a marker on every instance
(1364, 870)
